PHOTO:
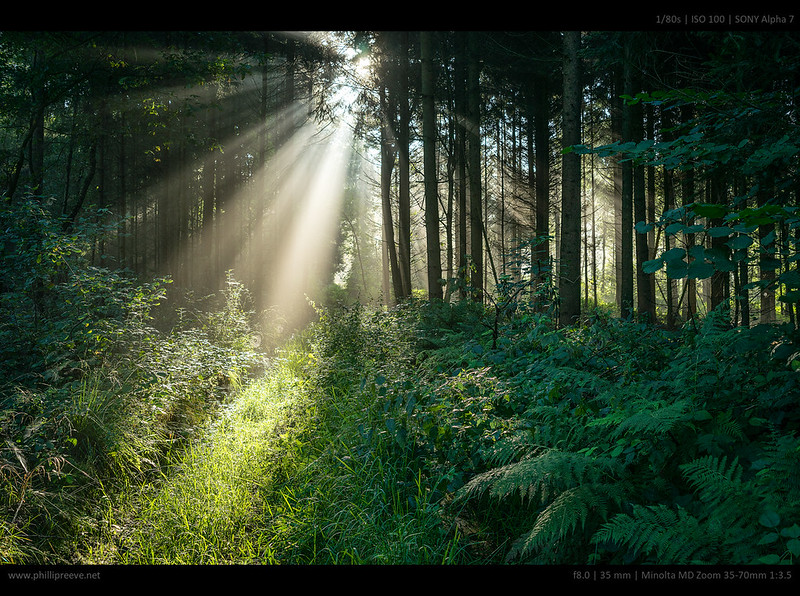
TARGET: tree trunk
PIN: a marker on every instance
(388, 152)
(541, 256)
(460, 109)
(645, 298)
(617, 109)
(719, 279)
(474, 168)
(404, 190)
(429, 147)
(570, 270)
(626, 208)
(766, 249)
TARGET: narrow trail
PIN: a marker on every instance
(217, 505)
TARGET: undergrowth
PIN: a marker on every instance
(94, 398)
(609, 442)
(430, 433)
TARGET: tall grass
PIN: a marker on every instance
(206, 509)
(277, 480)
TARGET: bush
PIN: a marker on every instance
(91, 394)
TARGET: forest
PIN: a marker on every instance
(421, 298)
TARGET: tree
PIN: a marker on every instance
(474, 165)
(541, 118)
(430, 169)
(645, 299)
(388, 151)
(403, 164)
(570, 271)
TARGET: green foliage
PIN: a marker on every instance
(732, 134)
(698, 261)
(467, 432)
(91, 394)
(658, 451)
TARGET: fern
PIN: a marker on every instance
(542, 477)
(561, 518)
(657, 533)
(716, 480)
(655, 418)
(573, 487)
(719, 528)
(510, 448)
(780, 468)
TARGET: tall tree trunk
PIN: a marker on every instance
(645, 298)
(668, 182)
(388, 152)
(449, 217)
(719, 279)
(687, 181)
(766, 250)
(460, 109)
(617, 110)
(474, 167)
(651, 203)
(570, 270)
(429, 147)
(626, 207)
(404, 177)
(541, 106)
(37, 138)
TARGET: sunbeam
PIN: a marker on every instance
(264, 192)
(304, 260)
(278, 230)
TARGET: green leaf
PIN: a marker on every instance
(674, 254)
(739, 242)
(720, 231)
(791, 531)
(710, 211)
(793, 546)
(700, 270)
(697, 252)
(769, 264)
(769, 519)
(790, 278)
(768, 239)
(769, 538)
(677, 269)
(652, 266)
(720, 261)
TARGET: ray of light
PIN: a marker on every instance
(277, 229)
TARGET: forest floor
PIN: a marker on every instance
(427, 435)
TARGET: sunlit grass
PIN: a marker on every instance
(208, 508)
(278, 480)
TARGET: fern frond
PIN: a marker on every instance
(665, 536)
(568, 511)
(655, 418)
(715, 479)
(780, 471)
(541, 477)
(511, 448)
(727, 426)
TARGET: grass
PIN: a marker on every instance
(276, 480)
(375, 439)
(207, 507)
